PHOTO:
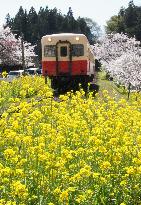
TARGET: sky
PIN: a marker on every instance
(99, 11)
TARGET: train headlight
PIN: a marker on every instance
(49, 39)
(77, 38)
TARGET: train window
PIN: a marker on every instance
(49, 51)
(77, 49)
(63, 51)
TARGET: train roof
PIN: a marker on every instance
(65, 36)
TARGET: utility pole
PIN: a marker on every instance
(23, 57)
(22, 47)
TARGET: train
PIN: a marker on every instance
(68, 60)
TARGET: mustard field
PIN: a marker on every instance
(75, 150)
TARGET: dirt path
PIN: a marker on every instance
(108, 85)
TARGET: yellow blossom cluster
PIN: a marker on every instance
(75, 150)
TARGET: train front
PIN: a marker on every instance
(65, 58)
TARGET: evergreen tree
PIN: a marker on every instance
(84, 29)
(32, 28)
(59, 22)
(52, 21)
(19, 24)
(127, 21)
(94, 28)
(138, 26)
(43, 23)
(130, 19)
(34, 25)
(70, 20)
(121, 23)
(8, 20)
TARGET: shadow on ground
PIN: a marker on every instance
(62, 91)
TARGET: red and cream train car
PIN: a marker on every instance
(67, 59)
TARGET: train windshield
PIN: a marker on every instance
(49, 50)
(77, 49)
(63, 51)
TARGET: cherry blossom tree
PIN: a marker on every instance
(127, 70)
(121, 58)
(11, 48)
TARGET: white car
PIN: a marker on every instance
(14, 74)
(32, 71)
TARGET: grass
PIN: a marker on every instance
(114, 90)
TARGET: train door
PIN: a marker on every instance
(63, 58)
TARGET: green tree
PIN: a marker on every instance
(19, 23)
(8, 20)
(94, 28)
(84, 29)
(69, 24)
(70, 20)
(138, 26)
(47, 21)
(43, 21)
(127, 21)
(131, 19)
(52, 21)
(32, 28)
(112, 25)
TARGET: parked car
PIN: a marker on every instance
(14, 74)
(34, 71)
(39, 71)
